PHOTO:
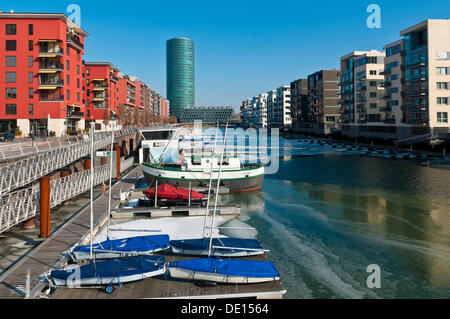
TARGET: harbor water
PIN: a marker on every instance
(327, 215)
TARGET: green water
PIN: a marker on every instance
(326, 217)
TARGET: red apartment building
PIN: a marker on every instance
(41, 73)
(164, 109)
(101, 94)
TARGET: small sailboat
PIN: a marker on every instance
(234, 271)
(108, 272)
(221, 247)
(120, 248)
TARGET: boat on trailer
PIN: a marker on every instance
(120, 248)
(108, 272)
(221, 247)
(233, 271)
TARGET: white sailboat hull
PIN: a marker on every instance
(100, 281)
(81, 255)
(214, 277)
(216, 252)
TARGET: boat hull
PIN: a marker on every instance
(204, 276)
(235, 181)
(82, 255)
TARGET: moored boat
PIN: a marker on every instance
(108, 272)
(120, 248)
(233, 271)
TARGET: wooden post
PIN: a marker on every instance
(87, 164)
(117, 150)
(45, 206)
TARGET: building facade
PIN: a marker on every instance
(41, 73)
(180, 74)
(101, 94)
(299, 102)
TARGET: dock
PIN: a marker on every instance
(50, 255)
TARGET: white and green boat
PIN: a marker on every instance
(196, 170)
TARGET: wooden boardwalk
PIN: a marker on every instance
(49, 253)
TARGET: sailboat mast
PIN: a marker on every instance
(210, 179)
(110, 178)
(92, 186)
(217, 191)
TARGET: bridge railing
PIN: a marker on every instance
(25, 171)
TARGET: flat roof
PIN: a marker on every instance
(35, 15)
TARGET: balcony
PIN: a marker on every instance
(114, 78)
(46, 51)
(100, 86)
(50, 84)
(75, 114)
(101, 105)
(75, 43)
(386, 109)
(100, 97)
(51, 67)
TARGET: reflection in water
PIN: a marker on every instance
(325, 218)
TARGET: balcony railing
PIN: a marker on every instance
(51, 66)
(56, 51)
(75, 114)
(51, 82)
(74, 42)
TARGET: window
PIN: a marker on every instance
(78, 96)
(10, 77)
(78, 83)
(394, 77)
(442, 85)
(68, 95)
(68, 65)
(11, 29)
(30, 77)
(30, 45)
(68, 50)
(373, 83)
(11, 93)
(441, 71)
(30, 108)
(373, 94)
(67, 79)
(442, 100)
(88, 103)
(88, 113)
(30, 29)
(11, 109)
(442, 117)
(373, 105)
(30, 93)
(10, 45)
(11, 61)
(373, 72)
(30, 61)
(88, 72)
(78, 69)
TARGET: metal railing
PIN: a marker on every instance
(28, 170)
(22, 205)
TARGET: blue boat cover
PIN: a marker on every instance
(203, 244)
(114, 268)
(231, 267)
(140, 243)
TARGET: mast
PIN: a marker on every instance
(217, 191)
(210, 179)
(92, 186)
(110, 178)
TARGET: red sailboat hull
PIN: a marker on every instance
(166, 191)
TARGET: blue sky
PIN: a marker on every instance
(242, 47)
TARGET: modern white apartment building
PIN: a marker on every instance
(426, 84)
(279, 107)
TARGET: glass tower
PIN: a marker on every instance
(180, 74)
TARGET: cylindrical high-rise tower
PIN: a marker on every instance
(180, 74)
